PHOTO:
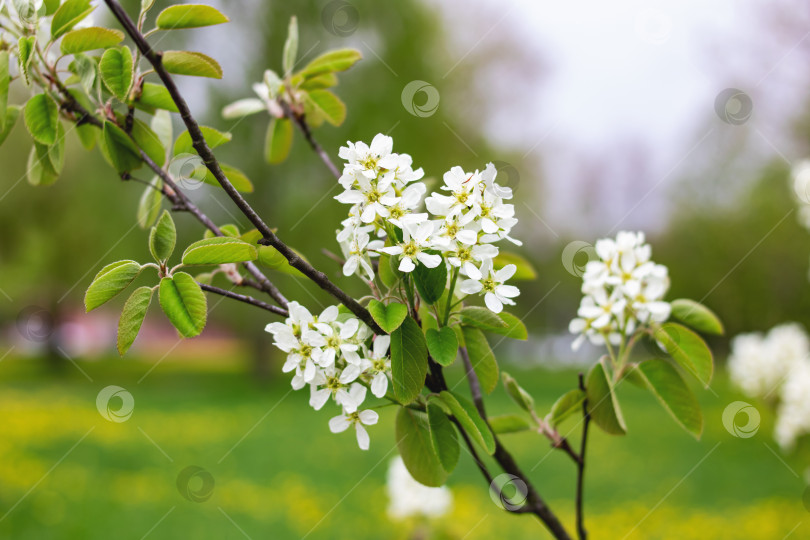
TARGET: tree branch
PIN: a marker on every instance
(246, 299)
(204, 151)
(581, 532)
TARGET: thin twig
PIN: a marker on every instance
(581, 532)
(246, 299)
(201, 146)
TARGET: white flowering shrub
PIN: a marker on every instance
(775, 368)
(438, 271)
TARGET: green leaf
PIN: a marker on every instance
(408, 360)
(443, 437)
(161, 125)
(515, 328)
(41, 119)
(68, 15)
(388, 275)
(183, 302)
(481, 358)
(290, 47)
(5, 79)
(156, 96)
(278, 141)
(525, 271)
(40, 170)
(697, 316)
(688, 349)
(430, 282)
(568, 404)
(467, 415)
(149, 142)
(191, 63)
(162, 238)
(669, 388)
(25, 50)
(235, 176)
(388, 317)
(337, 60)
(119, 149)
(87, 135)
(520, 396)
(12, 112)
(508, 423)
(326, 80)
(149, 204)
(132, 317)
(213, 138)
(51, 6)
(88, 39)
(111, 280)
(603, 406)
(189, 16)
(481, 317)
(442, 345)
(116, 71)
(85, 68)
(219, 250)
(323, 105)
(415, 447)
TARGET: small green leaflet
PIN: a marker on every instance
(162, 238)
(189, 16)
(183, 302)
(111, 280)
(132, 318)
(388, 317)
(219, 250)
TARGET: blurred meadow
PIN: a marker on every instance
(602, 118)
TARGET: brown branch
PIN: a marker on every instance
(246, 299)
(204, 151)
(581, 532)
(300, 121)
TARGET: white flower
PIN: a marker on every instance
(408, 498)
(491, 285)
(327, 384)
(355, 252)
(380, 365)
(357, 419)
(793, 414)
(267, 90)
(336, 342)
(464, 193)
(416, 240)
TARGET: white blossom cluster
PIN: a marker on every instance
(330, 353)
(408, 498)
(623, 290)
(385, 195)
(776, 367)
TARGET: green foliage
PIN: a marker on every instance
(213, 137)
(156, 96)
(235, 176)
(278, 141)
(183, 302)
(442, 344)
(508, 423)
(416, 448)
(668, 387)
(111, 280)
(88, 39)
(116, 71)
(149, 142)
(603, 406)
(70, 13)
(191, 63)
(390, 316)
(465, 412)
(482, 358)
(323, 105)
(443, 437)
(12, 112)
(481, 317)
(149, 204)
(25, 50)
(688, 349)
(330, 62)
(189, 16)
(697, 316)
(119, 150)
(514, 329)
(41, 118)
(132, 318)
(408, 360)
(290, 47)
(520, 396)
(162, 238)
(219, 250)
(430, 282)
(568, 404)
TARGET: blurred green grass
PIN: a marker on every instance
(279, 473)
